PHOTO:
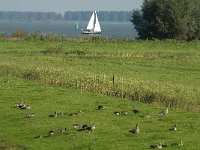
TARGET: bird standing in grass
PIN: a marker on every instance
(174, 128)
(76, 126)
(136, 111)
(30, 115)
(136, 130)
(100, 107)
(124, 112)
(91, 128)
(179, 144)
(164, 111)
(76, 113)
(62, 130)
(159, 146)
(57, 114)
(51, 132)
(85, 126)
(117, 113)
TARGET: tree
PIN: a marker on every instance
(168, 19)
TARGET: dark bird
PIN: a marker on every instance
(62, 130)
(25, 106)
(174, 128)
(75, 113)
(179, 144)
(136, 130)
(91, 128)
(20, 103)
(136, 111)
(124, 112)
(117, 113)
(57, 114)
(164, 111)
(100, 107)
(159, 146)
(51, 132)
(85, 126)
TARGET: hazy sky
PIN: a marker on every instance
(65, 5)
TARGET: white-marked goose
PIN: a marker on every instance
(75, 113)
(174, 128)
(164, 111)
(91, 128)
(100, 107)
(136, 130)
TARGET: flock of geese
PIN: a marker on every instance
(90, 128)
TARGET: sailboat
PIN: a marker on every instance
(93, 26)
(76, 25)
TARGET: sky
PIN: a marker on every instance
(61, 6)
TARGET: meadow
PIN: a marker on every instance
(71, 75)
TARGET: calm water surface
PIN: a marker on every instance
(119, 30)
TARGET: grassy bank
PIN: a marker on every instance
(164, 72)
(111, 130)
(65, 75)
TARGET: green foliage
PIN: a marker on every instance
(168, 19)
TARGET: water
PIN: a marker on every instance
(119, 30)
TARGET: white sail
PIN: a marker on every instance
(93, 26)
(97, 27)
(90, 25)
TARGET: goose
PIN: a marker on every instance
(124, 112)
(91, 128)
(164, 111)
(60, 114)
(145, 115)
(25, 106)
(117, 112)
(62, 130)
(136, 130)
(51, 132)
(100, 107)
(174, 128)
(136, 111)
(29, 115)
(54, 115)
(180, 144)
(76, 126)
(75, 113)
(85, 126)
(19, 104)
(159, 146)
(39, 136)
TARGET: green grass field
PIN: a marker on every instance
(73, 75)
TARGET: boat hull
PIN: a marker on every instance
(90, 32)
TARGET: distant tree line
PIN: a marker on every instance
(29, 16)
(69, 15)
(168, 19)
(102, 15)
